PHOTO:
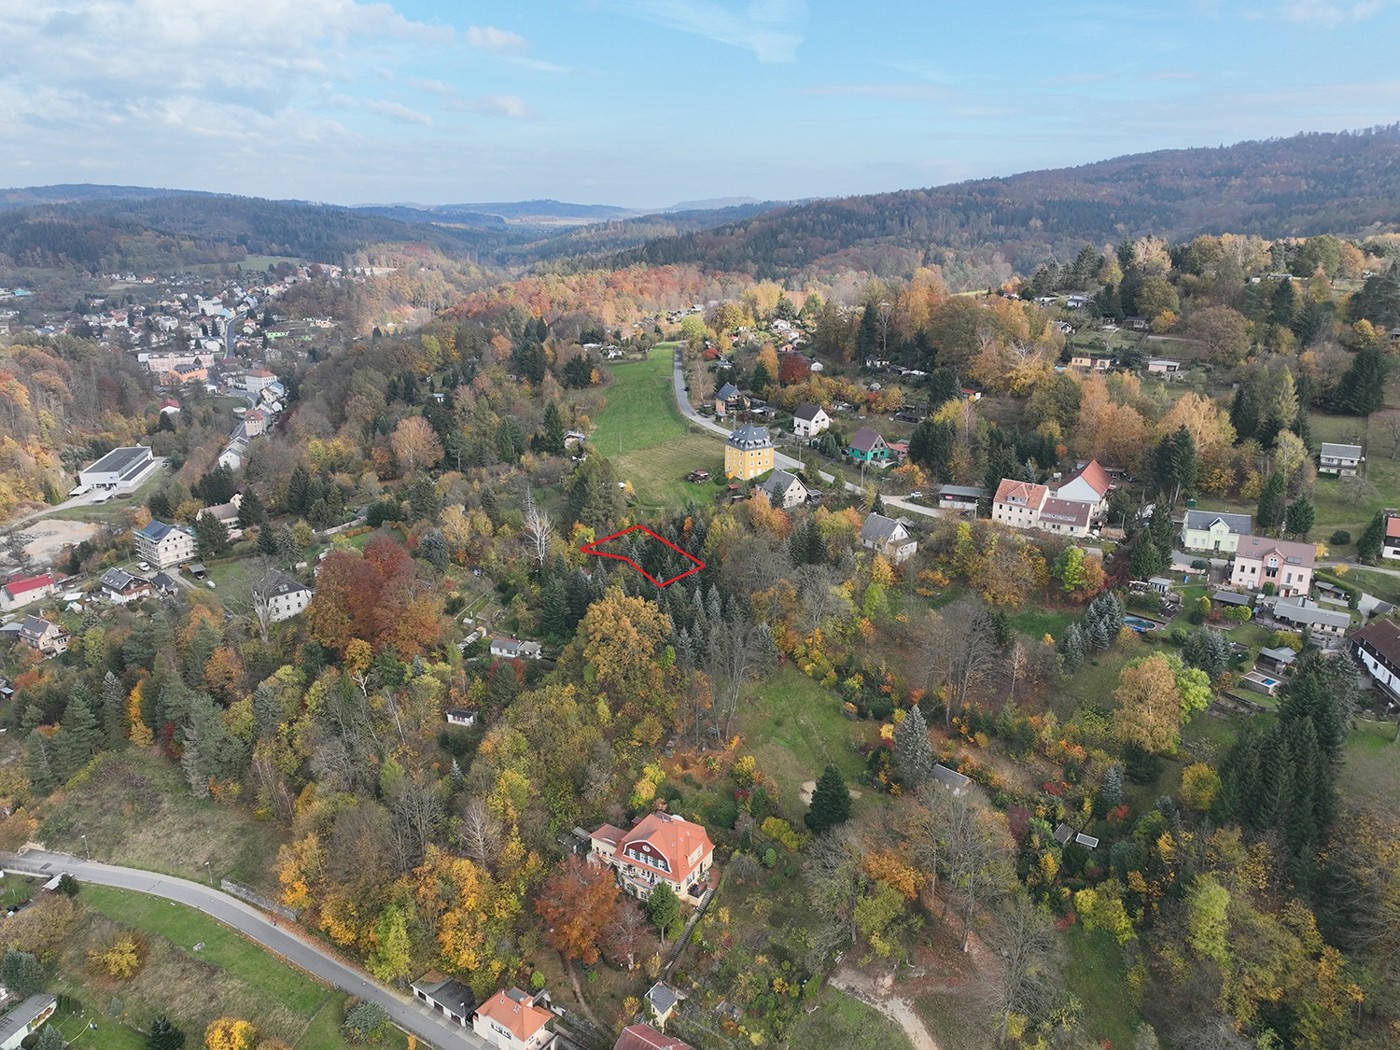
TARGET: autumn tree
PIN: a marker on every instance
(230, 1033)
(416, 445)
(579, 905)
(1150, 704)
(624, 645)
(959, 652)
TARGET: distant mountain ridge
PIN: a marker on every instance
(1346, 183)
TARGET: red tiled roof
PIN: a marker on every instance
(675, 839)
(1392, 527)
(1021, 493)
(1094, 474)
(645, 1037)
(609, 833)
(30, 583)
(521, 1018)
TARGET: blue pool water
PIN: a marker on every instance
(1140, 625)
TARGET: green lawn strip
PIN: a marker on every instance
(640, 409)
(108, 1035)
(794, 727)
(114, 510)
(1369, 766)
(224, 947)
(657, 474)
(1036, 623)
(1377, 584)
(1095, 972)
(842, 1020)
(948, 1020)
(17, 890)
(323, 1032)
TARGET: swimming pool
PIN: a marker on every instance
(1140, 625)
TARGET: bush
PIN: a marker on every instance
(365, 1022)
(1340, 538)
(1200, 563)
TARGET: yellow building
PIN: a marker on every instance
(748, 452)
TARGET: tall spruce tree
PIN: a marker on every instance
(1298, 520)
(164, 1035)
(913, 754)
(831, 802)
(1272, 503)
(1372, 540)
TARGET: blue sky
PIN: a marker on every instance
(648, 102)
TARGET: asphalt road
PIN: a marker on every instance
(780, 459)
(409, 1014)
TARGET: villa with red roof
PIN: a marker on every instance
(661, 847)
(23, 590)
(1088, 484)
(511, 1020)
(1018, 503)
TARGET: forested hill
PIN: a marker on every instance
(176, 229)
(1344, 183)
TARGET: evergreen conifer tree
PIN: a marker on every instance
(1298, 520)
(913, 755)
(164, 1035)
(1071, 648)
(1272, 503)
(831, 802)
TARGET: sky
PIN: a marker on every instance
(647, 103)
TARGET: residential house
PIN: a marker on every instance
(1279, 660)
(182, 375)
(867, 446)
(227, 514)
(748, 452)
(809, 420)
(121, 587)
(170, 407)
(784, 490)
(950, 779)
(26, 1019)
(1088, 484)
(1063, 833)
(446, 995)
(645, 1037)
(661, 1001)
(1083, 361)
(122, 468)
(889, 536)
(661, 847)
(22, 590)
(1017, 503)
(1260, 560)
(461, 716)
(1065, 517)
(1343, 460)
(961, 498)
(1390, 546)
(256, 380)
(281, 596)
(510, 1020)
(1160, 366)
(1323, 625)
(1208, 530)
(48, 639)
(235, 454)
(254, 422)
(514, 649)
(729, 399)
(1377, 646)
(164, 545)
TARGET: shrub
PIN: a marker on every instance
(365, 1022)
(1340, 538)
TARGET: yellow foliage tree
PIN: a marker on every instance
(120, 959)
(140, 732)
(230, 1033)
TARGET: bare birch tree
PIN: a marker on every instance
(959, 652)
(538, 530)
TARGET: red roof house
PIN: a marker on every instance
(661, 847)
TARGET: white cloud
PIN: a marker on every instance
(498, 41)
(771, 29)
(398, 113)
(509, 106)
(1327, 13)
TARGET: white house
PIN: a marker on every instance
(1339, 459)
(48, 639)
(1208, 530)
(889, 536)
(22, 590)
(26, 1019)
(461, 716)
(257, 380)
(121, 587)
(514, 649)
(510, 1020)
(1160, 366)
(164, 545)
(1377, 646)
(1065, 517)
(1391, 544)
(809, 420)
(121, 469)
(282, 596)
(1089, 484)
(784, 490)
(1017, 503)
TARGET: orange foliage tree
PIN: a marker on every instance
(578, 904)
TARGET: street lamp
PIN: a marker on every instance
(210, 869)
(86, 851)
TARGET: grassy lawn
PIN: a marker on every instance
(1096, 974)
(843, 1020)
(948, 1019)
(1036, 622)
(1379, 584)
(648, 440)
(136, 810)
(794, 728)
(225, 975)
(113, 512)
(1369, 771)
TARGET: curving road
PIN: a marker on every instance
(779, 458)
(409, 1014)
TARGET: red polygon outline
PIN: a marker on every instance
(590, 548)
